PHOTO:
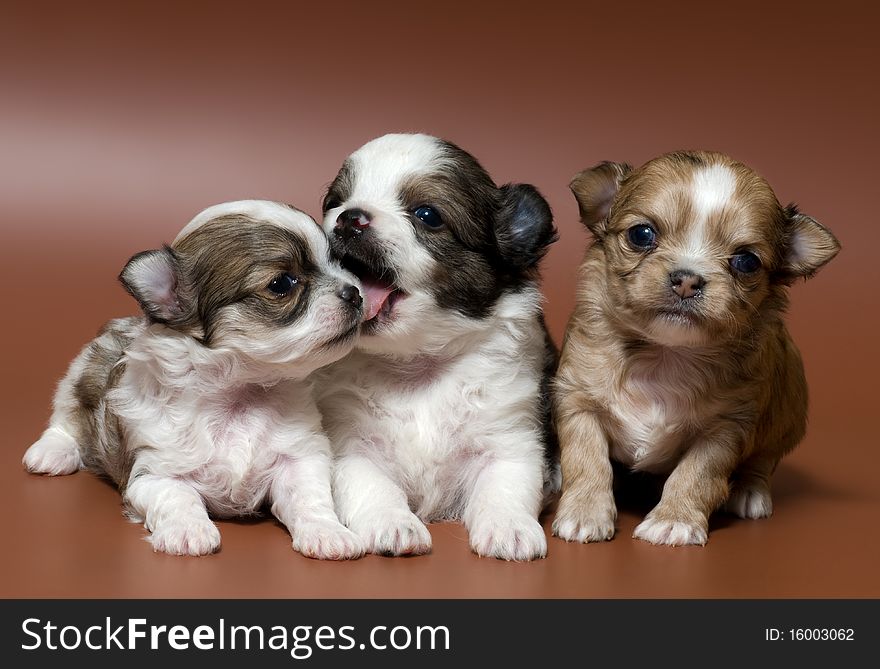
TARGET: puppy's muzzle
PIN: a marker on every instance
(686, 283)
(351, 223)
(351, 295)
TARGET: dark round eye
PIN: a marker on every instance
(745, 262)
(429, 216)
(642, 236)
(282, 284)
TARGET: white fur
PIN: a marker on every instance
(694, 250)
(448, 437)
(55, 454)
(380, 168)
(225, 449)
(711, 189)
(434, 417)
(670, 532)
(297, 349)
(57, 450)
(658, 406)
(217, 430)
(593, 524)
(750, 499)
(259, 210)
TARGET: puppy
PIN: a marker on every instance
(676, 360)
(441, 413)
(201, 406)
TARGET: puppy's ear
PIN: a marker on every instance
(155, 280)
(809, 245)
(524, 227)
(595, 189)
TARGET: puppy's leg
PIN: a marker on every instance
(55, 453)
(301, 499)
(502, 513)
(586, 510)
(696, 488)
(783, 427)
(750, 490)
(174, 513)
(376, 509)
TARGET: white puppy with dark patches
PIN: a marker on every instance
(441, 413)
(201, 407)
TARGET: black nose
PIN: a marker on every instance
(351, 223)
(350, 294)
(686, 284)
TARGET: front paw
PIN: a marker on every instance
(186, 536)
(663, 529)
(394, 533)
(327, 540)
(592, 521)
(750, 500)
(519, 539)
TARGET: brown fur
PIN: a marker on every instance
(225, 264)
(723, 405)
(231, 260)
(91, 422)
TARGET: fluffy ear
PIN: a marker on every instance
(155, 280)
(595, 189)
(524, 227)
(810, 245)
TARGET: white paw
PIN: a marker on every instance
(595, 523)
(519, 539)
(55, 454)
(671, 532)
(327, 540)
(751, 500)
(186, 536)
(395, 533)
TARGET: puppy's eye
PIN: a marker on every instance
(745, 262)
(282, 284)
(429, 216)
(642, 236)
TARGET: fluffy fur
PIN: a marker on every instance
(676, 360)
(202, 406)
(441, 412)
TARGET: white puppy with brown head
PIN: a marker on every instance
(676, 360)
(201, 407)
(441, 411)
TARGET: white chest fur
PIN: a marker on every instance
(431, 424)
(223, 444)
(659, 404)
(239, 430)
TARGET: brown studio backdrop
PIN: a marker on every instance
(118, 124)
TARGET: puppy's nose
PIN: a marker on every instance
(350, 294)
(351, 223)
(686, 283)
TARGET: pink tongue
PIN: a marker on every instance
(375, 295)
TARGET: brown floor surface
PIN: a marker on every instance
(111, 144)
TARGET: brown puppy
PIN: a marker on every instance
(676, 360)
